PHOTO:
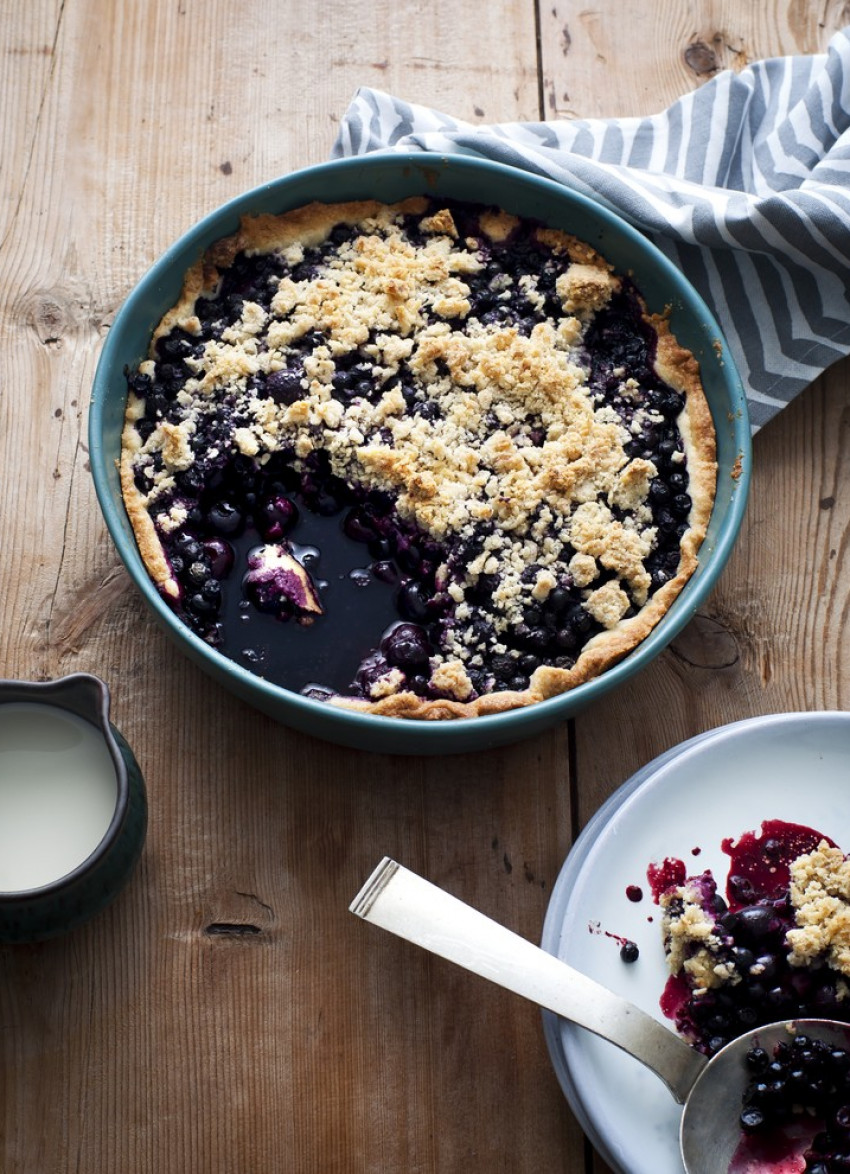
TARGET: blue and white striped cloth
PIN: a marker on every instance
(744, 184)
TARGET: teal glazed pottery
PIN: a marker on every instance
(29, 914)
(390, 177)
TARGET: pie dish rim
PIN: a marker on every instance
(390, 177)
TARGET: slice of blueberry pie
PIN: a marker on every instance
(775, 946)
(424, 459)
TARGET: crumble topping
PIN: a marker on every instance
(820, 894)
(692, 942)
(493, 380)
(773, 948)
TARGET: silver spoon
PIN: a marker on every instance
(710, 1090)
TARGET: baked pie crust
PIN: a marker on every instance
(486, 389)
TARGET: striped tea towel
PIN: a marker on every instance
(744, 184)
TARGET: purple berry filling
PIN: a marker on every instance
(750, 927)
(355, 592)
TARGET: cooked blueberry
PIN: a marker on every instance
(201, 604)
(188, 547)
(407, 556)
(354, 381)
(176, 345)
(680, 505)
(581, 621)
(139, 384)
(842, 1116)
(406, 647)
(359, 526)
(757, 1059)
(225, 518)
(668, 402)
(219, 554)
(665, 521)
(755, 921)
(380, 548)
(558, 600)
(198, 572)
(428, 409)
(370, 672)
(538, 640)
(278, 516)
(413, 601)
(386, 571)
(190, 481)
(741, 888)
(566, 639)
(311, 340)
(284, 386)
(765, 966)
(742, 958)
(629, 952)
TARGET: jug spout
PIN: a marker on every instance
(83, 694)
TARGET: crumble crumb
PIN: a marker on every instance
(691, 942)
(820, 894)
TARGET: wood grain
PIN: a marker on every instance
(604, 61)
(227, 1013)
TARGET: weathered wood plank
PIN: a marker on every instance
(607, 61)
(228, 1012)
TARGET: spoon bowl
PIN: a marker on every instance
(711, 1091)
(710, 1132)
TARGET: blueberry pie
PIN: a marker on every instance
(427, 460)
(774, 946)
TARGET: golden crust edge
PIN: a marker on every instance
(144, 530)
(674, 363)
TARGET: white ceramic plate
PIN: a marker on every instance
(793, 767)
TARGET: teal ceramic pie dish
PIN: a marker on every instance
(389, 178)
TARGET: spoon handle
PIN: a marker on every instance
(412, 908)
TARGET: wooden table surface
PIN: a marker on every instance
(301, 1040)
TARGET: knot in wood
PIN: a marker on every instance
(706, 643)
(701, 58)
(49, 319)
